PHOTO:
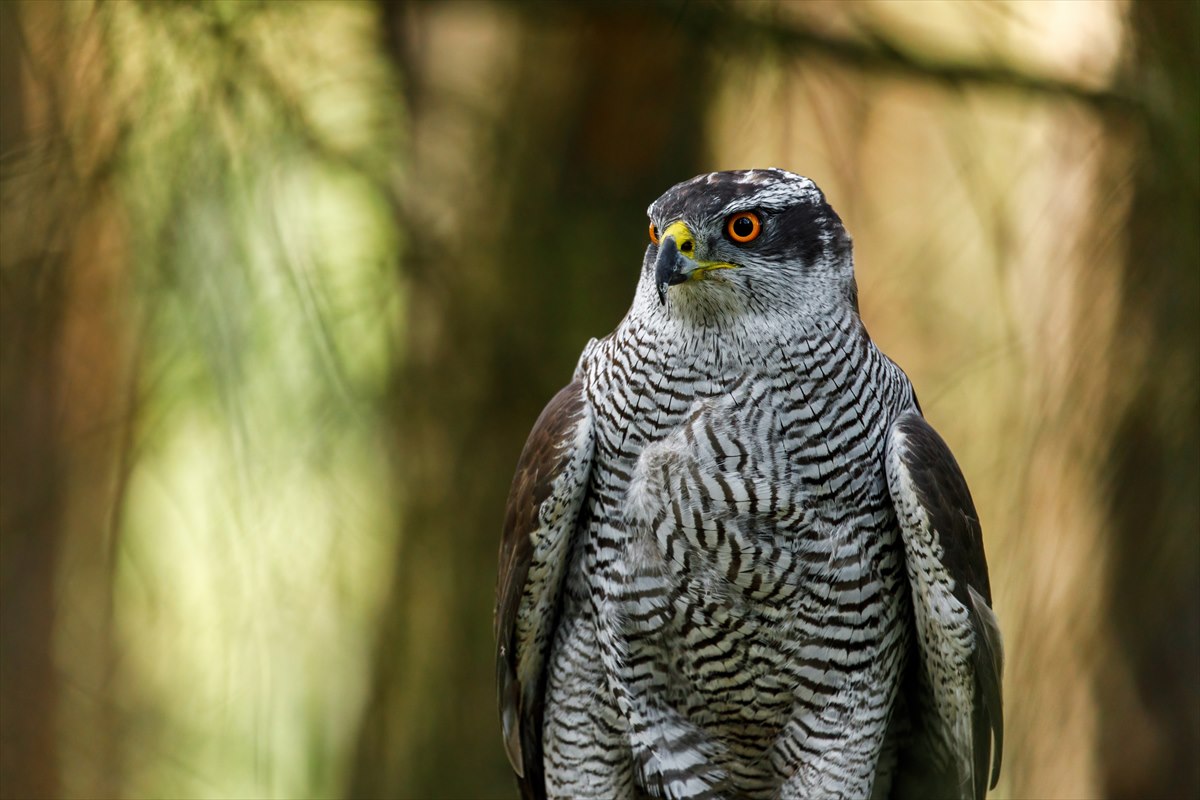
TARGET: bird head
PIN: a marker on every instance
(759, 241)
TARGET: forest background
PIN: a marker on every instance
(284, 286)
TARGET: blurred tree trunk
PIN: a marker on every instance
(65, 378)
(527, 109)
(1151, 744)
(30, 476)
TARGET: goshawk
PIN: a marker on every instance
(737, 561)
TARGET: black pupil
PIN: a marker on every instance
(742, 226)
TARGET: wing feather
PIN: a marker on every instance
(957, 707)
(540, 520)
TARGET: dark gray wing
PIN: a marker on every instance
(543, 507)
(954, 699)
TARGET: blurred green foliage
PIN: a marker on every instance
(259, 525)
(286, 284)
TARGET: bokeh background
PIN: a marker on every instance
(286, 284)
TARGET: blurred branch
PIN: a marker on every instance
(877, 53)
(249, 70)
(292, 110)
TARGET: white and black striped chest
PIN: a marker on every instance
(830, 396)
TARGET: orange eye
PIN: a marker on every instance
(653, 233)
(744, 227)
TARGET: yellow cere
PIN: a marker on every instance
(682, 234)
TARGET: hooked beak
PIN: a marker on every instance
(677, 260)
(670, 268)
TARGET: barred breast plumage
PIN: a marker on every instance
(724, 536)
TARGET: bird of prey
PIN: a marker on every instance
(737, 561)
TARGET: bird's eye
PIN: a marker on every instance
(653, 233)
(744, 227)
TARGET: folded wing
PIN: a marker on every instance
(954, 700)
(543, 509)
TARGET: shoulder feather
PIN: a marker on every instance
(540, 519)
(959, 650)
